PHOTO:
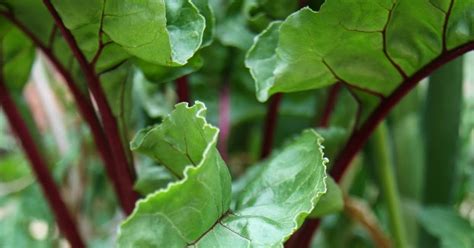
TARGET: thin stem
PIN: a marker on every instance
(64, 219)
(382, 157)
(85, 107)
(224, 120)
(108, 119)
(303, 238)
(360, 212)
(360, 136)
(270, 125)
(330, 105)
(182, 89)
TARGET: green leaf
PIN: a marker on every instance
(448, 226)
(200, 198)
(151, 178)
(16, 56)
(277, 200)
(165, 32)
(331, 202)
(32, 14)
(262, 60)
(206, 10)
(155, 99)
(233, 32)
(196, 209)
(371, 45)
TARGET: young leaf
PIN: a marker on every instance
(277, 200)
(372, 45)
(206, 10)
(195, 211)
(185, 210)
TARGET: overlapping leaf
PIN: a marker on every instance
(371, 45)
(161, 32)
(196, 210)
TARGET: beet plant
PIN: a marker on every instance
(236, 123)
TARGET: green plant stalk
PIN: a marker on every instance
(408, 151)
(66, 222)
(441, 121)
(408, 146)
(382, 157)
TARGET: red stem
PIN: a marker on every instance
(330, 104)
(303, 237)
(64, 219)
(224, 120)
(182, 89)
(360, 136)
(85, 107)
(270, 124)
(109, 121)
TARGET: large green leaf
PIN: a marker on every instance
(196, 210)
(159, 31)
(371, 45)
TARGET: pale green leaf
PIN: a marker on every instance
(262, 60)
(371, 45)
(181, 213)
(195, 211)
(165, 32)
(206, 11)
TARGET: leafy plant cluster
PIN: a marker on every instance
(236, 123)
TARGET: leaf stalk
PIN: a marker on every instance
(39, 166)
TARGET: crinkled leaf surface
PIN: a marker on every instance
(181, 213)
(196, 210)
(369, 44)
